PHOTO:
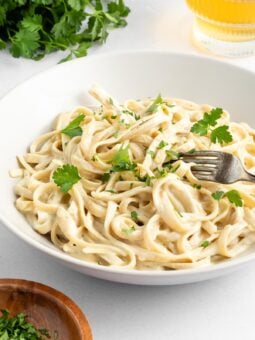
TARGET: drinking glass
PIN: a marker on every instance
(225, 27)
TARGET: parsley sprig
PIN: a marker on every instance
(31, 29)
(134, 216)
(205, 244)
(17, 327)
(66, 176)
(120, 162)
(233, 196)
(128, 231)
(220, 134)
(73, 129)
(155, 104)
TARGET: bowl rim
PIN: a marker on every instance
(47, 291)
(56, 253)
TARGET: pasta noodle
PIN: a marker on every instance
(150, 216)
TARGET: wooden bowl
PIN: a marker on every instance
(45, 307)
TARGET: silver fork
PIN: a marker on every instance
(217, 166)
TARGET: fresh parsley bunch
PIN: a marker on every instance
(33, 28)
(18, 328)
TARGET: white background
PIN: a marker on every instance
(220, 309)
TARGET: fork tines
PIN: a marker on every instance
(202, 157)
(206, 163)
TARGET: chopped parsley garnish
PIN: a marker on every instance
(190, 152)
(17, 328)
(220, 134)
(217, 195)
(151, 153)
(178, 212)
(111, 191)
(131, 113)
(172, 155)
(196, 186)
(205, 244)
(134, 216)
(73, 129)
(154, 106)
(128, 231)
(121, 161)
(105, 177)
(94, 158)
(233, 196)
(162, 144)
(66, 176)
(162, 172)
(167, 168)
(146, 179)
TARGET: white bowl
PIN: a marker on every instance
(29, 110)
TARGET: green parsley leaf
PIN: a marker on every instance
(196, 186)
(25, 43)
(66, 176)
(111, 191)
(134, 216)
(32, 23)
(190, 152)
(162, 144)
(234, 197)
(200, 128)
(76, 4)
(2, 44)
(82, 49)
(172, 155)
(217, 195)
(154, 106)
(212, 117)
(221, 135)
(205, 244)
(146, 179)
(121, 161)
(128, 231)
(151, 153)
(105, 177)
(73, 129)
(94, 158)
(167, 168)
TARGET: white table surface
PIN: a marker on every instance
(219, 309)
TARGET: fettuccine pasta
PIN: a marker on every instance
(135, 205)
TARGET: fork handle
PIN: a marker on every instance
(248, 177)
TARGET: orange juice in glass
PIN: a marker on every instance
(225, 27)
